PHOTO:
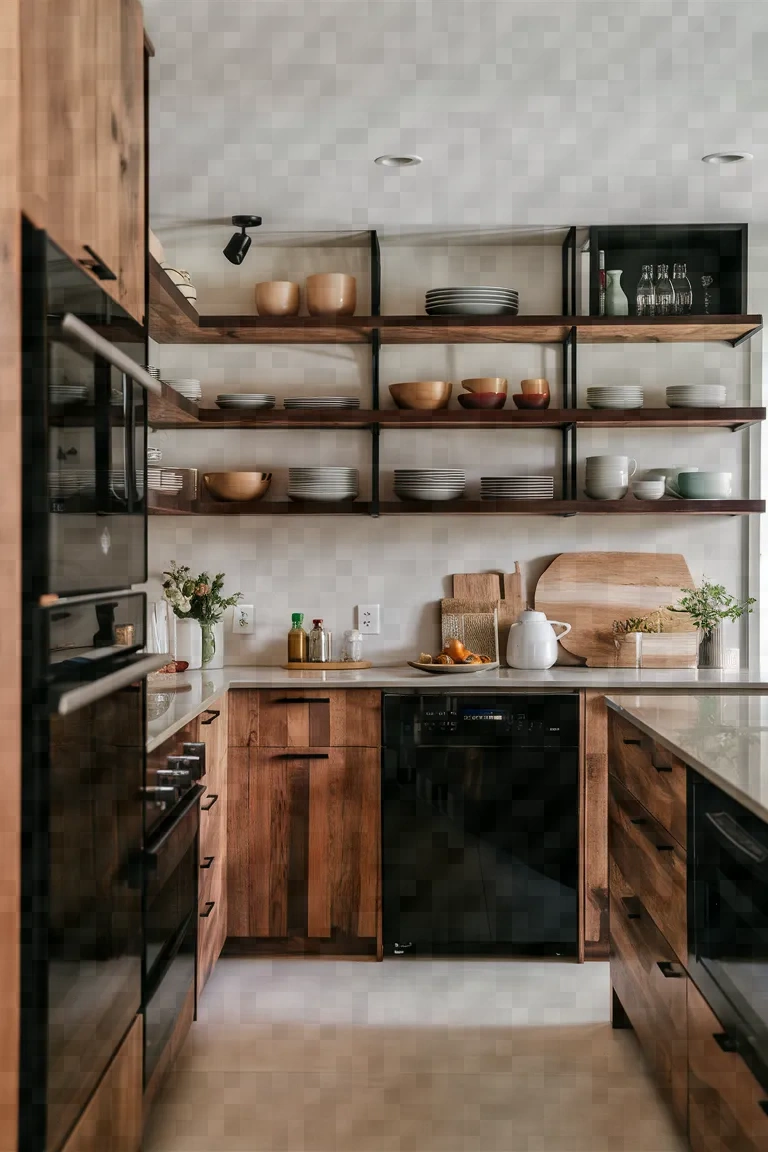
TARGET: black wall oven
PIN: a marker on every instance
(728, 918)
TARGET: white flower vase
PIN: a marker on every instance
(188, 642)
(616, 303)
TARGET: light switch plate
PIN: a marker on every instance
(242, 623)
(369, 619)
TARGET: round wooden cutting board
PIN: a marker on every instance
(589, 590)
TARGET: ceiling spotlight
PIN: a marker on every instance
(398, 161)
(726, 157)
(237, 249)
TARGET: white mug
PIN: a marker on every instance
(601, 463)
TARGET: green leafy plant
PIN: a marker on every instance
(652, 623)
(710, 604)
(196, 597)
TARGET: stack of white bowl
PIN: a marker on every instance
(472, 301)
(696, 396)
(321, 402)
(517, 488)
(245, 400)
(429, 483)
(188, 387)
(323, 483)
(615, 396)
(61, 394)
(607, 477)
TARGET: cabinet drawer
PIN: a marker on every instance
(652, 863)
(654, 776)
(212, 866)
(725, 1100)
(651, 986)
(306, 718)
(212, 724)
(212, 922)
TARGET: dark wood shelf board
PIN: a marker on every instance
(162, 505)
(270, 418)
(669, 330)
(628, 506)
(172, 319)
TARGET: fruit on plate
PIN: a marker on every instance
(443, 658)
(454, 652)
(174, 666)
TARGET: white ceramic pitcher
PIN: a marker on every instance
(532, 640)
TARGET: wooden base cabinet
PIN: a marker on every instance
(112, 1120)
(212, 887)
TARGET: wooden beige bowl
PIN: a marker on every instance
(237, 485)
(427, 395)
(536, 386)
(277, 298)
(331, 294)
(485, 384)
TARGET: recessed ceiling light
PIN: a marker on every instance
(389, 161)
(726, 157)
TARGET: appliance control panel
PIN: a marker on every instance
(550, 720)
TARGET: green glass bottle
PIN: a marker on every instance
(297, 640)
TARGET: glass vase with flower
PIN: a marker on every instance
(198, 598)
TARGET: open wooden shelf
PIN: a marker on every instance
(161, 504)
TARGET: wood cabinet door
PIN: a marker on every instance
(105, 227)
(306, 718)
(304, 836)
(132, 207)
(112, 1119)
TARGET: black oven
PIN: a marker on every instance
(84, 430)
(728, 917)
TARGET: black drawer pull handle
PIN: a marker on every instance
(665, 847)
(663, 767)
(640, 821)
(303, 700)
(726, 1042)
(208, 861)
(632, 907)
(214, 715)
(209, 906)
(96, 265)
(632, 742)
(303, 756)
(669, 971)
(764, 1105)
(207, 807)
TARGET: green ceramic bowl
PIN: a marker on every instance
(704, 485)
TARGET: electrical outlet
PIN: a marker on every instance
(242, 624)
(368, 619)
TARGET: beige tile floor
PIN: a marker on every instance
(409, 1056)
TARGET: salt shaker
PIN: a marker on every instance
(352, 651)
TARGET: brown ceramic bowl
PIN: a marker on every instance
(232, 486)
(485, 384)
(537, 386)
(277, 298)
(331, 294)
(483, 400)
(426, 395)
(534, 400)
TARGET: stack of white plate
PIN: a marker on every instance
(696, 396)
(472, 301)
(615, 396)
(117, 482)
(164, 480)
(517, 488)
(321, 402)
(68, 393)
(245, 400)
(323, 483)
(73, 482)
(154, 455)
(188, 388)
(429, 483)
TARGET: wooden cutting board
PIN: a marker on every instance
(504, 590)
(589, 590)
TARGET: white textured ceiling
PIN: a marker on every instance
(525, 113)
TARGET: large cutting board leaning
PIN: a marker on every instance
(592, 589)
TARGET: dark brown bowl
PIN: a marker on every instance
(532, 400)
(483, 400)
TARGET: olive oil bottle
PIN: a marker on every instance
(297, 640)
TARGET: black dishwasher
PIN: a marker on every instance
(480, 802)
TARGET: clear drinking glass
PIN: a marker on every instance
(665, 293)
(681, 286)
(645, 295)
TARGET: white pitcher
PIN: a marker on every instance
(532, 640)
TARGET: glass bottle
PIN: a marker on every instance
(297, 640)
(681, 286)
(601, 283)
(646, 293)
(353, 646)
(665, 293)
(319, 647)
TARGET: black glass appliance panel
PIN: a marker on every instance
(729, 906)
(480, 824)
(164, 1008)
(171, 887)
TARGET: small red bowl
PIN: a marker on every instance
(483, 399)
(532, 400)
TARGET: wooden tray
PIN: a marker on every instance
(329, 666)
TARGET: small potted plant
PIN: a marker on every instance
(198, 598)
(707, 607)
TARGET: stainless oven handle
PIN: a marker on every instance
(74, 327)
(95, 690)
(746, 845)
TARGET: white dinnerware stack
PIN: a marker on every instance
(188, 387)
(164, 480)
(472, 301)
(154, 455)
(517, 488)
(62, 394)
(323, 402)
(333, 484)
(615, 396)
(696, 396)
(245, 400)
(117, 483)
(429, 483)
(73, 482)
(607, 477)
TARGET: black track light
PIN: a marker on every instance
(237, 249)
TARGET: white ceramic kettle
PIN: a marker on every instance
(532, 641)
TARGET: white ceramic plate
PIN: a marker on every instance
(472, 310)
(452, 669)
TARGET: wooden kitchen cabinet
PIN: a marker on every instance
(112, 1120)
(212, 887)
(306, 718)
(304, 845)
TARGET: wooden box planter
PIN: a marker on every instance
(659, 650)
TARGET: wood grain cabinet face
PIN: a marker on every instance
(654, 776)
(313, 718)
(212, 886)
(112, 1120)
(725, 1100)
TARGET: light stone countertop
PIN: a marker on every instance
(724, 737)
(200, 690)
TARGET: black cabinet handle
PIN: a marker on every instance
(764, 1105)
(207, 807)
(303, 700)
(632, 907)
(640, 820)
(662, 767)
(209, 906)
(303, 756)
(669, 971)
(208, 861)
(214, 715)
(725, 1042)
(665, 847)
(632, 742)
(96, 265)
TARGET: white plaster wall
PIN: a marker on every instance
(323, 566)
